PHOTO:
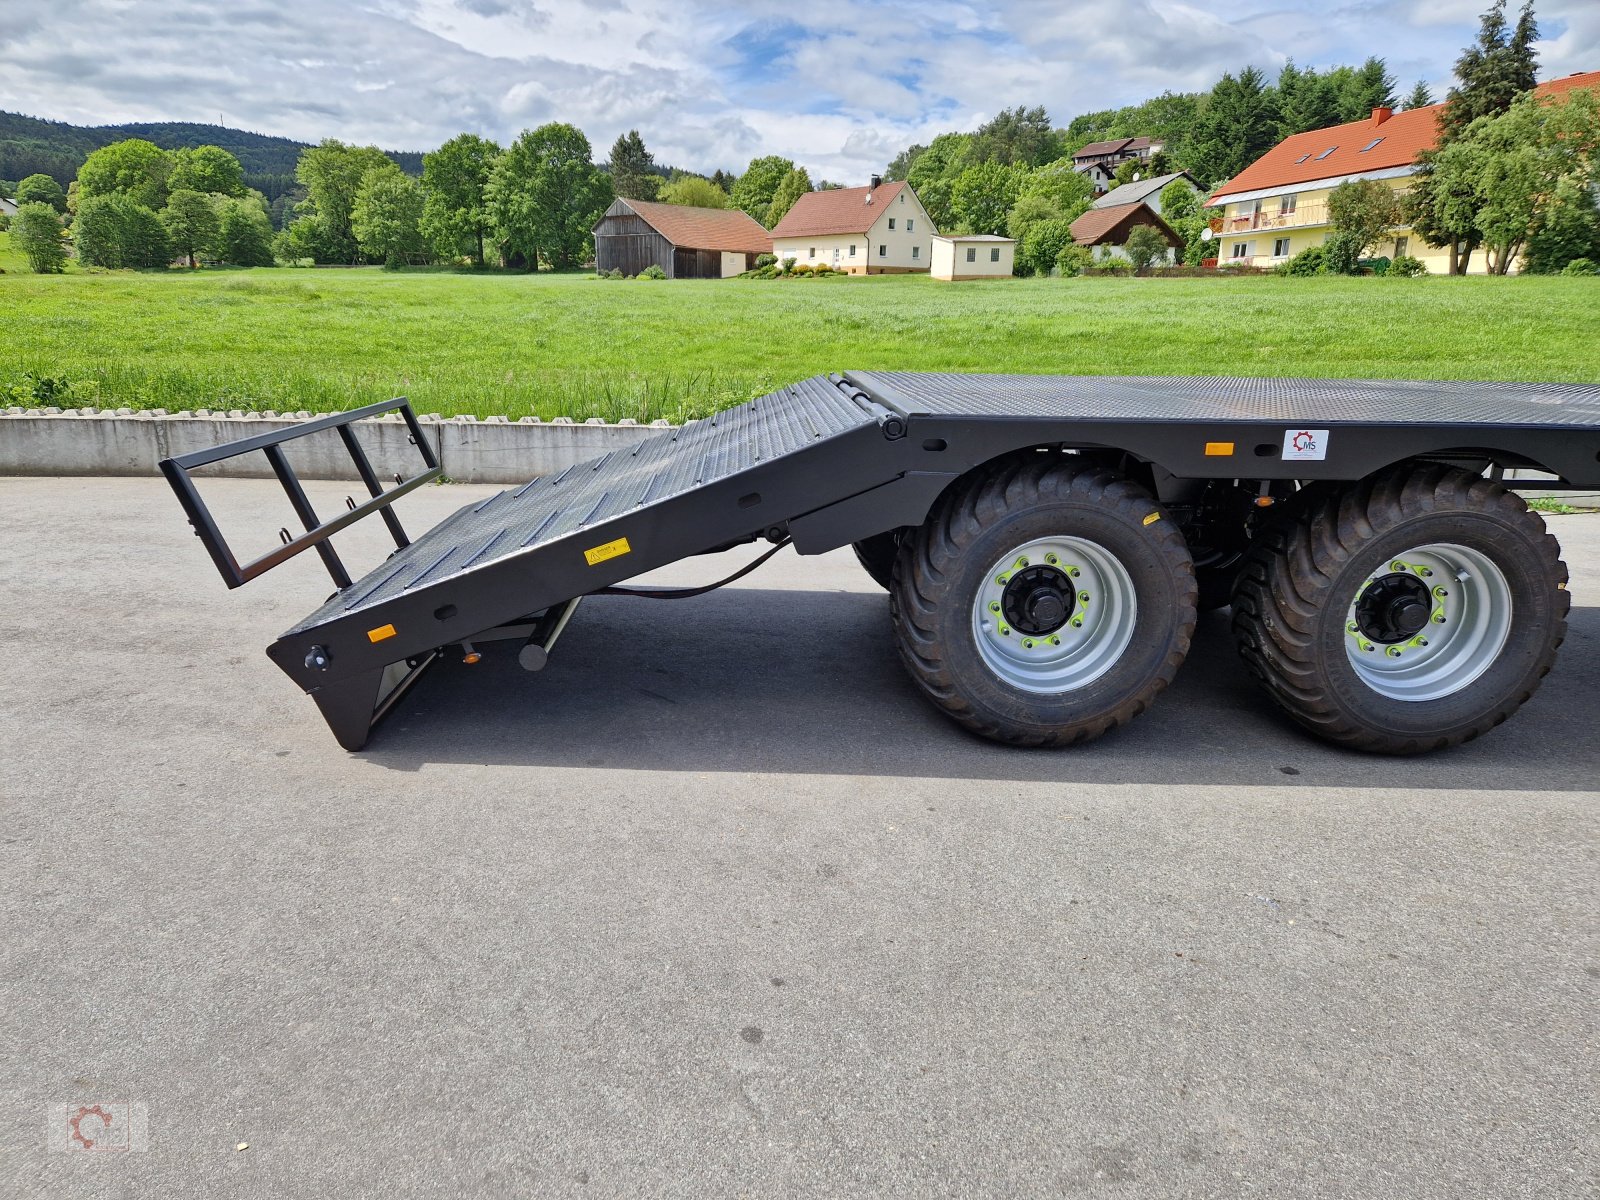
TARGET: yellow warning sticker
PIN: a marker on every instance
(1152, 518)
(614, 549)
(1218, 449)
(380, 633)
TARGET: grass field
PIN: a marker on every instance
(576, 346)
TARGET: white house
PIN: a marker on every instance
(1147, 191)
(973, 256)
(881, 229)
(8, 208)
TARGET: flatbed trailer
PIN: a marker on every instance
(1046, 541)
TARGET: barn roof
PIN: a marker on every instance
(1141, 190)
(837, 210)
(1109, 226)
(698, 228)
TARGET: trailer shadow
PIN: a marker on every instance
(807, 682)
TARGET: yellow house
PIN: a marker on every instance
(878, 230)
(1278, 205)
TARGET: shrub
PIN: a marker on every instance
(788, 264)
(1407, 267)
(1581, 266)
(1146, 246)
(38, 236)
(1313, 260)
(1343, 254)
(652, 272)
(802, 269)
(765, 260)
(5, 223)
(1073, 260)
(1112, 266)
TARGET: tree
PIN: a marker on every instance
(983, 195)
(633, 174)
(544, 195)
(1236, 126)
(694, 192)
(794, 185)
(455, 179)
(933, 175)
(1419, 96)
(900, 165)
(41, 189)
(115, 230)
(1178, 201)
(191, 222)
(1043, 245)
(1363, 89)
(244, 233)
(1361, 212)
(1146, 246)
(387, 216)
(760, 181)
(1493, 71)
(1017, 137)
(1069, 191)
(1570, 230)
(1305, 101)
(331, 173)
(36, 232)
(207, 169)
(135, 168)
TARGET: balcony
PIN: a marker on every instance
(1307, 214)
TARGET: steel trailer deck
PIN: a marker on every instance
(834, 460)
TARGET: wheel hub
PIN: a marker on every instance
(1038, 600)
(1393, 608)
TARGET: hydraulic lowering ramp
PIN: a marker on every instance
(823, 463)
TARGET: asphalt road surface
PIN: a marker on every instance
(716, 906)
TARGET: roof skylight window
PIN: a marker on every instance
(1302, 158)
(1326, 152)
(1371, 144)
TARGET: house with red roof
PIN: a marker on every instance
(880, 229)
(686, 243)
(1278, 205)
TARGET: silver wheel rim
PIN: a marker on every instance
(1468, 621)
(1089, 642)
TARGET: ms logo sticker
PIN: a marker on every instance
(1301, 445)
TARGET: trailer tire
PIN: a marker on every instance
(876, 555)
(1057, 529)
(1314, 612)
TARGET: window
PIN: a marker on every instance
(1371, 144)
(910, 224)
(1302, 158)
(1240, 250)
(1400, 245)
(883, 251)
(813, 253)
(1287, 205)
(972, 254)
(994, 255)
(891, 222)
(852, 249)
(1280, 247)
(1326, 152)
(916, 252)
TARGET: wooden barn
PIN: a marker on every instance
(686, 243)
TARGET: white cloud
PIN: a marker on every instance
(839, 85)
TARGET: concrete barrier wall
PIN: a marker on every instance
(124, 442)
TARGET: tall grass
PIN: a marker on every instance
(574, 346)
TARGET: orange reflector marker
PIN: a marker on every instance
(471, 658)
(381, 633)
(1218, 449)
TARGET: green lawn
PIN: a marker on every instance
(577, 346)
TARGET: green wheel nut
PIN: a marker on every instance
(1077, 622)
(1027, 643)
(1073, 571)
(1083, 597)
(1394, 652)
(1002, 579)
(1055, 641)
(1022, 560)
(1438, 618)
(1440, 592)
(1005, 631)
(994, 606)
(1051, 559)
(1352, 627)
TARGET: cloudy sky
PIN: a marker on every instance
(839, 85)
